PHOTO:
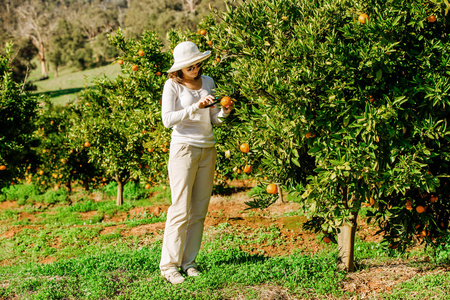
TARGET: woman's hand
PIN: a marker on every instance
(205, 101)
(227, 109)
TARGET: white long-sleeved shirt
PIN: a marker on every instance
(190, 124)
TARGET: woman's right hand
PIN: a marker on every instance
(205, 101)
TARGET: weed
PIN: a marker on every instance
(144, 218)
(58, 196)
(22, 193)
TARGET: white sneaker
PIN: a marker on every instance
(193, 272)
(174, 277)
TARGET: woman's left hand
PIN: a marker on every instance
(227, 109)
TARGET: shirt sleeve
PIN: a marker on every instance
(170, 116)
(216, 113)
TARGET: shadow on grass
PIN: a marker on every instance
(226, 190)
(58, 93)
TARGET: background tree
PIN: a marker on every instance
(60, 160)
(347, 104)
(18, 111)
(36, 22)
(120, 119)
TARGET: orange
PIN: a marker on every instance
(362, 18)
(272, 188)
(217, 59)
(164, 187)
(2, 167)
(420, 209)
(209, 43)
(408, 204)
(245, 148)
(158, 73)
(433, 199)
(326, 239)
(431, 19)
(141, 52)
(164, 150)
(225, 101)
(248, 169)
(87, 144)
(148, 186)
(120, 62)
(202, 32)
(309, 134)
(371, 202)
(134, 68)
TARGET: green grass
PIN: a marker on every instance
(70, 82)
(93, 257)
(433, 286)
(134, 274)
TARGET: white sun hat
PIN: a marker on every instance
(186, 54)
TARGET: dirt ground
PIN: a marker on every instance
(372, 279)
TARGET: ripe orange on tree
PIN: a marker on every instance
(408, 204)
(217, 59)
(309, 135)
(141, 52)
(431, 19)
(362, 18)
(134, 68)
(87, 144)
(2, 167)
(371, 202)
(120, 62)
(326, 239)
(158, 73)
(225, 101)
(248, 169)
(245, 148)
(420, 209)
(272, 188)
(433, 199)
(202, 32)
(209, 43)
(148, 186)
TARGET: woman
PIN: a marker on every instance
(185, 108)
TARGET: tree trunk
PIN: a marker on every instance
(86, 185)
(346, 244)
(280, 195)
(121, 179)
(43, 62)
(69, 186)
(119, 200)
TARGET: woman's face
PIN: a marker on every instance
(191, 72)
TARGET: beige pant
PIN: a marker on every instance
(191, 174)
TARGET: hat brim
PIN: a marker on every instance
(184, 64)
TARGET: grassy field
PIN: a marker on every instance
(82, 246)
(70, 82)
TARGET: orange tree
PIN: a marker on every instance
(119, 120)
(346, 103)
(58, 160)
(17, 114)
